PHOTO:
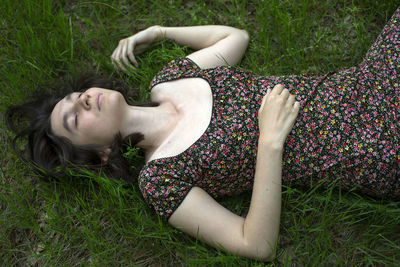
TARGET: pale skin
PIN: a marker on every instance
(169, 130)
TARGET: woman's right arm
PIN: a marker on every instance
(254, 236)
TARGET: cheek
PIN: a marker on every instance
(96, 126)
(88, 123)
(91, 127)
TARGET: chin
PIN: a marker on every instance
(113, 97)
(120, 98)
(117, 102)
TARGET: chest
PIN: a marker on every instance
(193, 100)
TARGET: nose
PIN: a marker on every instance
(83, 101)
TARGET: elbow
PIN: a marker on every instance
(261, 252)
(245, 36)
(241, 35)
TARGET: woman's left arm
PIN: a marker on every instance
(216, 45)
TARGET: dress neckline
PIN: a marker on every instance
(174, 78)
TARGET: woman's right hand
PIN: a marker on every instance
(276, 116)
(127, 48)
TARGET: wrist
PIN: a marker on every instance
(160, 32)
(270, 145)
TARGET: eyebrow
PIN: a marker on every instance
(65, 117)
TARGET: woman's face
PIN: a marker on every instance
(89, 118)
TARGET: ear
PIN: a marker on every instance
(104, 154)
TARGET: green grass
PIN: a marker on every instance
(90, 220)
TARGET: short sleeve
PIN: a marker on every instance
(162, 189)
(175, 69)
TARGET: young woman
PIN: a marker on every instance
(215, 130)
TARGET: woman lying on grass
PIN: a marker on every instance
(214, 130)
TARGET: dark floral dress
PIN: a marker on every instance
(347, 130)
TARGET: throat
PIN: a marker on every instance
(159, 126)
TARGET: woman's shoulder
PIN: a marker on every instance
(161, 187)
(175, 69)
(183, 62)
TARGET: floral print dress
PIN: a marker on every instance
(347, 130)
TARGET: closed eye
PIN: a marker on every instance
(76, 115)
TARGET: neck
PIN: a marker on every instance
(155, 123)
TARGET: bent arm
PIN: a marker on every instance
(217, 45)
(254, 236)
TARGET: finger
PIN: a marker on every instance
(120, 65)
(277, 89)
(113, 54)
(285, 94)
(124, 56)
(114, 64)
(263, 101)
(117, 65)
(116, 56)
(297, 105)
(113, 58)
(268, 93)
(295, 113)
(117, 51)
(290, 101)
(131, 55)
(296, 108)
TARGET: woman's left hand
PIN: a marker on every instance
(124, 54)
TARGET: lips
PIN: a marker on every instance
(99, 100)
